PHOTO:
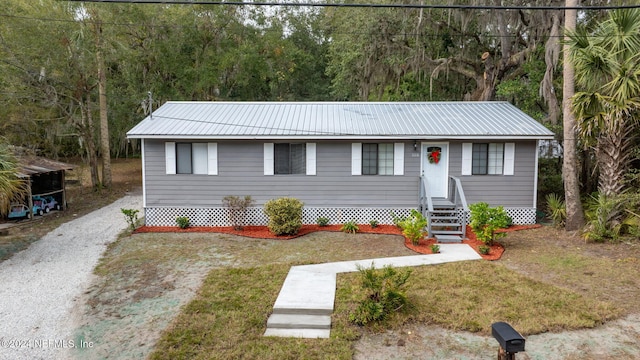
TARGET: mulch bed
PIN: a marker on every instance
(262, 232)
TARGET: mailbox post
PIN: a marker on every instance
(511, 342)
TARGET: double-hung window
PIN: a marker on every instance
(191, 158)
(487, 159)
(289, 158)
(377, 159)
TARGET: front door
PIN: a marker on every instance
(435, 167)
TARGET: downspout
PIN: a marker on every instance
(144, 178)
(535, 178)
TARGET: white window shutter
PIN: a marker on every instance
(199, 158)
(467, 158)
(311, 158)
(170, 157)
(212, 158)
(268, 158)
(509, 158)
(398, 159)
(356, 159)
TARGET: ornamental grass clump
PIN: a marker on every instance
(285, 215)
(350, 227)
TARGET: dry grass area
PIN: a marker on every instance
(81, 199)
(606, 272)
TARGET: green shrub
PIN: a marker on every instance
(384, 293)
(484, 249)
(486, 220)
(237, 209)
(131, 216)
(285, 215)
(183, 222)
(373, 223)
(413, 226)
(323, 221)
(435, 248)
(557, 209)
(350, 227)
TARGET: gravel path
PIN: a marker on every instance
(39, 286)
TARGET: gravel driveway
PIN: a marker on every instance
(39, 286)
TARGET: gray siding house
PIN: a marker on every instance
(346, 161)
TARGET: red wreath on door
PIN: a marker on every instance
(434, 155)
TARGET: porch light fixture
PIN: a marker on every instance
(415, 145)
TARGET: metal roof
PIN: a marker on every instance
(338, 120)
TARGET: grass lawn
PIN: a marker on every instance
(228, 315)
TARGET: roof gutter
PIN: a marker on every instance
(351, 137)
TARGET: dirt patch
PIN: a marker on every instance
(619, 339)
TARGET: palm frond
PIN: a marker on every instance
(12, 188)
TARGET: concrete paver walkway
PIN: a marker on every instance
(305, 303)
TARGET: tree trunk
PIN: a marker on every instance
(86, 133)
(102, 94)
(612, 154)
(575, 214)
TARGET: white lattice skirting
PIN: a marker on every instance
(161, 216)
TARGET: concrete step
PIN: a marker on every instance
(298, 321)
(299, 333)
(448, 238)
(307, 293)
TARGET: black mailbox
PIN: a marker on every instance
(509, 339)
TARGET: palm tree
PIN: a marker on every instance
(11, 186)
(607, 67)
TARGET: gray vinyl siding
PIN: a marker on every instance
(509, 191)
(240, 169)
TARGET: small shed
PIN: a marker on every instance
(46, 177)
